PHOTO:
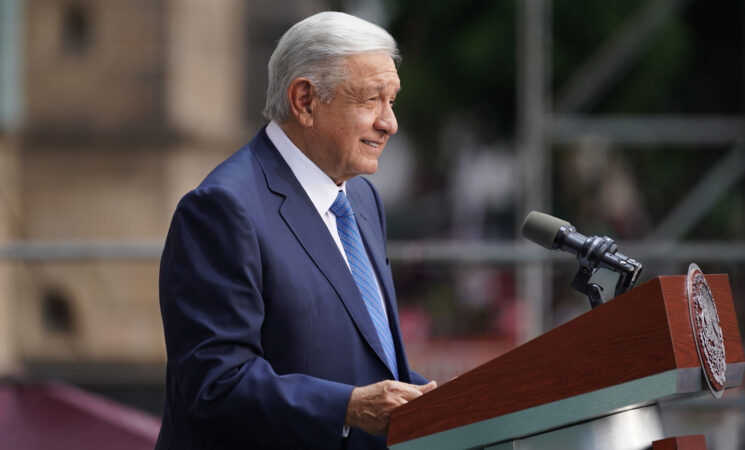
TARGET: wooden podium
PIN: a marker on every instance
(616, 361)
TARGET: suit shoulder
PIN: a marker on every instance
(238, 171)
(241, 174)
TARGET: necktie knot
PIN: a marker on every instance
(341, 206)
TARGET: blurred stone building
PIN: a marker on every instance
(110, 112)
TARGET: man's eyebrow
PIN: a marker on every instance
(380, 87)
(364, 91)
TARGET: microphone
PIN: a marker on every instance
(592, 252)
(544, 229)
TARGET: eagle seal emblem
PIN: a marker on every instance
(706, 330)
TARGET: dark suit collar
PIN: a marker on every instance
(279, 177)
(315, 182)
(302, 218)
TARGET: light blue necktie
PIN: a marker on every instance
(363, 274)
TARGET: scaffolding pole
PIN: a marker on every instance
(506, 253)
(533, 104)
(597, 75)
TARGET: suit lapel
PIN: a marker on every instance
(302, 218)
(372, 237)
(375, 246)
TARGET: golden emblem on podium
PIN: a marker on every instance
(706, 330)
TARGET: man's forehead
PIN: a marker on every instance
(372, 64)
(380, 81)
(372, 72)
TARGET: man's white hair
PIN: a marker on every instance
(315, 48)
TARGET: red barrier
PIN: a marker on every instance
(55, 415)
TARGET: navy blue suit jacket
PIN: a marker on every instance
(266, 331)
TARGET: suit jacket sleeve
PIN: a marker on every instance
(213, 309)
(418, 379)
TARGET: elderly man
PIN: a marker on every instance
(275, 290)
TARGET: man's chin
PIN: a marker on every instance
(370, 169)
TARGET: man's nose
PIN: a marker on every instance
(386, 121)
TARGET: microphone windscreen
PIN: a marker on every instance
(542, 228)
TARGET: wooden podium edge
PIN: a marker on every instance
(538, 419)
(685, 369)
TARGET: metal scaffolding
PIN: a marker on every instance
(541, 126)
(540, 129)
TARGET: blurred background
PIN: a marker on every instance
(624, 117)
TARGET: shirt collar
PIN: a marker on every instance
(320, 187)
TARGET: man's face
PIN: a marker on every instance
(348, 133)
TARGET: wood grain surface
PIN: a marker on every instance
(643, 332)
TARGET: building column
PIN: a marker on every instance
(8, 226)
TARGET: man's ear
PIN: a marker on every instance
(302, 98)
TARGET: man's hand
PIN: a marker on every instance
(370, 406)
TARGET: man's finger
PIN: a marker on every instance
(407, 391)
(412, 391)
(424, 388)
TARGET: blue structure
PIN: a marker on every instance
(11, 56)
